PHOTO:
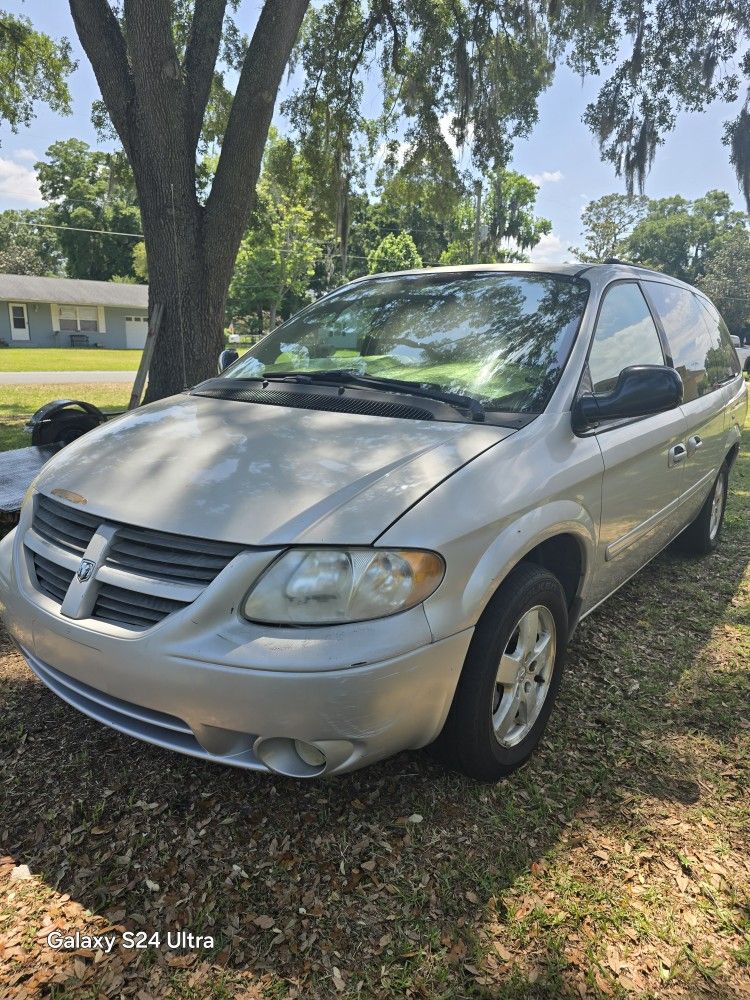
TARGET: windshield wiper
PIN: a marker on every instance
(344, 376)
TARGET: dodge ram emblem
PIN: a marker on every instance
(85, 570)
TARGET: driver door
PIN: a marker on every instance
(643, 458)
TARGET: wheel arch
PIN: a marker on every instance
(560, 537)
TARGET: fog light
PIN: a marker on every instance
(309, 754)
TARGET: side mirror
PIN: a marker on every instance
(640, 391)
(227, 358)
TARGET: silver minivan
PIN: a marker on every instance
(379, 527)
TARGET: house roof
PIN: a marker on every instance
(72, 291)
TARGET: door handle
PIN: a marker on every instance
(694, 443)
(677, 453)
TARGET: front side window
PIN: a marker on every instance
(695, 350)
(625, 335)
(500, 337)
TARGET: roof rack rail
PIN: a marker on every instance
(629, 263)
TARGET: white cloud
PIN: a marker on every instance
(550, 250)
(18, 183)
(26, 154)
(547, 177)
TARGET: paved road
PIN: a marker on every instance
(47, 378)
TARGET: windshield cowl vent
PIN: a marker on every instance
(304, 399)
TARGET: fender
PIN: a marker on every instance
(515, 540)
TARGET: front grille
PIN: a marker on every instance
(304, 399)
(131, 609)
(53, 580)
(137, 554)
(182, 560)
(68, 527)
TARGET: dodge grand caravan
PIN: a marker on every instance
(378, 528)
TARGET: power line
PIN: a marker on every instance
(77, 229)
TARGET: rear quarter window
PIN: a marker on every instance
(696, 345)
(727, 362)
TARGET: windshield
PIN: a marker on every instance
(500, 337)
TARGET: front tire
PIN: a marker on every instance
(510, 679)
(702, 536)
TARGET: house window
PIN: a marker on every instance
(79, 319)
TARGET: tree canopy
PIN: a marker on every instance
(465, 72)
(394, 253)
(727, 279)
(607, 224)
(33, 68)
(90, 189)
(672, 234)
(27, 246)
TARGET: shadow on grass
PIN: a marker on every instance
(349, 875)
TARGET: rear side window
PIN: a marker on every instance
(727, 364)
(625, 335)
(695, 344)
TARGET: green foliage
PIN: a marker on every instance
(673, 62)
(442, 227)
(395, 252)
(140, 262)
(89, 189)
(33, 67)
(607, 223)
(677, 236)
(459, 73)
(673, 235)
(508, 226)
(276, 257)
(727, 278)
(26, 248)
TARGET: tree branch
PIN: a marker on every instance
(201, 54)
(228, 206)
(103, 43)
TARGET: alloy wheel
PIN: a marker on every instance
(524, 675)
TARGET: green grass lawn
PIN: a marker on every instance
(65, 359)
(18, 402)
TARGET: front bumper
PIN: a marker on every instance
(235, 693)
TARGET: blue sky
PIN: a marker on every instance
(560, 154)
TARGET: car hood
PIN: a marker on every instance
(261, 475)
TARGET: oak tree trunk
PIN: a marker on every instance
(157, 101)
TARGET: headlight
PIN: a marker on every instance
(329, 586)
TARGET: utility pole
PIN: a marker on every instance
(477, 219)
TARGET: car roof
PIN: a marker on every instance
(604, 272)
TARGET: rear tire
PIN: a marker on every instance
(510, 678)
(702, 536)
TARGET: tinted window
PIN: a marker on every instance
(696, 346)
(498, 336)
(625, 335)
(727, 364)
